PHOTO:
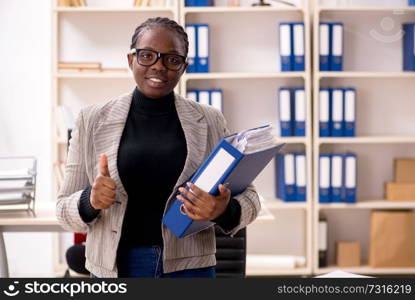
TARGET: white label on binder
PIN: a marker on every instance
(324, 172)
(216, 99)
(203, 39)
(285, 109)
(324, 39)
(298, 39)
(289, 169)
(337, 105)
(191, 33)
(300, 106)
(324, 106)
(336, 177)
(350, 101)
(337, 40)
(214, 171)
(204, 97)
(285, 40)
(191, 96)
(350, 180)
(300, 170)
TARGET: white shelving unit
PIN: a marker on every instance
(381, 134)
(250, 99)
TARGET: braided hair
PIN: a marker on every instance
(160, 22)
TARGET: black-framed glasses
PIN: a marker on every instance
(146, 57)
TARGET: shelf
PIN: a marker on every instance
(273, 203)
(242, 75)
(247, 9)
(112, 9)
(293, 140)
(368, 9)
(398, 139)
(368, 270)
(94, 75)
(369, 204)
(358, 74)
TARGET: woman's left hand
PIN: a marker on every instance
(202, 205)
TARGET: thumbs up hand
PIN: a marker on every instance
(103, 189)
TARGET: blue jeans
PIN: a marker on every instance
(147, 261)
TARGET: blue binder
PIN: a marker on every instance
(203, 2)
(349, 112)
(286, 189)
(409, 47)
(192, 95)
(224, 164)
(336, 177)
(190, 3)
(192, 53)
(350, 177)
(325, 44)
(286, 41)
(298, 46)
(337, 120)
(216, 99)
(285, 112)
(324, 178)
(336, 61)
(202, 59)
(300, 176)
(324, 112)
(203, 97)
(411, 2)
(299, 112)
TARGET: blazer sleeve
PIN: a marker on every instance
(248, 199)
(75, 181)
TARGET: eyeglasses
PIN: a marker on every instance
(146, 57)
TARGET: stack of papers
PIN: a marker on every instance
(254, 140)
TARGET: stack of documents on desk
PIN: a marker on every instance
(236, 160)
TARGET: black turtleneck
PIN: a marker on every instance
(151, 157)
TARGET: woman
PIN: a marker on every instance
(129, 157)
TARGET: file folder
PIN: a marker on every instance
(299, 112)
(301, 176)
(192, 95)
(409, 47)
(324, 112)
(286, 47)
(192, 54)
(337, 47)
(225, 164)
(324, 46)
(337, 113)
(216, 99)
(285, 112)
(286, 177)
(350, 177)
(298, 46)
(324, 178)
(336, 177)
(204, 97)
(202, 65)
(349, 112)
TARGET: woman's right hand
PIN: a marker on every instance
(103, 189)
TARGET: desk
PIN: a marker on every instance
(45, 221)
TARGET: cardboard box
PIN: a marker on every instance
(348, 254)
(396, 191)
(392, 239)
(405, 170)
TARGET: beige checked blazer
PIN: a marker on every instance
(98, 130)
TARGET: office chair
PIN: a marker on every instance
(230, 254)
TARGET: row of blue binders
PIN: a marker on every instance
(337, 178)
(331, 46)
(198, 3)
(409, 47)
(411, 2)
(337, 113)
(292, 111)
(291, 177)
(292, 46)
(209, 97)
(198, 55)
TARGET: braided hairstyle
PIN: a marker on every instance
(160, 22)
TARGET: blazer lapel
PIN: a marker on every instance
(107, 135)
